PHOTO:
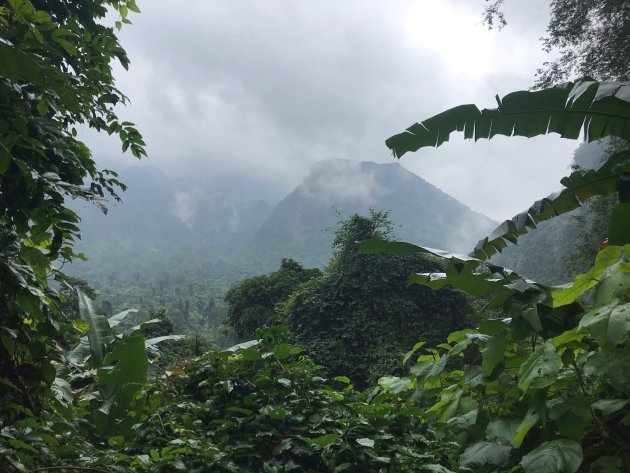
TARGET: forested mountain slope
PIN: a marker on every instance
(301, 226)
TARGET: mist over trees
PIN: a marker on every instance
(390, 356)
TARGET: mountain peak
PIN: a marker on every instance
(300, 225)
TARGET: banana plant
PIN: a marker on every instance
(101, 334)
(595, 109)
(545, 389)
(118, 363)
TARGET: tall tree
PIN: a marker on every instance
(252, 302)
(360, 317)
(591, 38)
(55, 75)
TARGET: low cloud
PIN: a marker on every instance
(185, 205)
(341, 180)
(266, 89)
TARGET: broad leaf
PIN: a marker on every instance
(366, 442)
(461, 275)
(568, 293)
(558, 456)
(540, 369)
(127, 362)
(609, 324)
(323, 440)
(484, 454)
(610, 406)
(117, 318)
(100, 332)
(611, 367)
(580, 186)
(401, 248)
(394, 384)
(529, 421)
(493, 354)
(504, 429)
(597, 109)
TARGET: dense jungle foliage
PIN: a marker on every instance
(357, 317)
(541, 384)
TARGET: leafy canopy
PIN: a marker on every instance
(359, 317)
(55, 75)
(543, 388)
(252, 302)
(589, 37)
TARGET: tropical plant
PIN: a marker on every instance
(55, 75)
(358, 318)
(264, 406)
(252, 302)
(100, 333)
(544, 388)
(113, 366)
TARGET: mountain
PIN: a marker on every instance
(181, 244)
(302, 225)
(165, 225)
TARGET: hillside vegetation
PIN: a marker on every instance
(537, 381)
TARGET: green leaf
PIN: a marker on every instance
(410, 353)
(563, 295)
(614, 282)
(131, 4)
(609, 324)
(62, 390)
(366, 442)
(42, 107)
(610, 406)
(503, 430)
(611, 367)
(394, 384)
(100, 332)
(284, 350)
(493, 354)
(17, 443)
(540, 369)
(323, 440)
(557, 456)
(564, 109)
(482, 454)
(127, 365)
(81, 326)
(240, 410)
(342, 379)
(116, 441)
(461, 275)
(529, 421)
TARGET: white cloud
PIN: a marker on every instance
(185, 205)
(266, 89)
(341, 180)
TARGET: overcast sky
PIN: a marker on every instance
(264, 89)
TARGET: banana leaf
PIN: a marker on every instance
(596, 109)
(579, 187)
(99, 334)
